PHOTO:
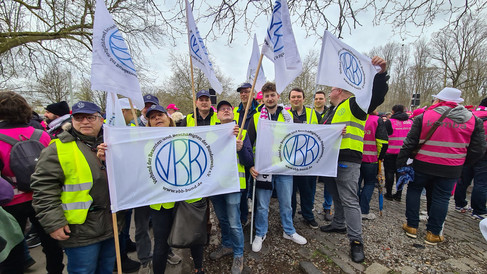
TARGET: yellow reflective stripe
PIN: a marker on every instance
(442, 155)
(77, 187)
(445, 144)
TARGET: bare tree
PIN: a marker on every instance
(84, 93)
(177, 89)
(53, 83)
(306, 80)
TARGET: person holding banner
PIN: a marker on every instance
(205, 114)
(71, 193)
(227, 206)
(344, 187)
(305, 184)
(239, 112)
(265, 184)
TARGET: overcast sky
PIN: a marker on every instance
(233, 59)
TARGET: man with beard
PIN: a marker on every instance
(56, 116)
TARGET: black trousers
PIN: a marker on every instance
(390, 171)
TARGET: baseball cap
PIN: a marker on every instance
(223, 103)
(149, 98)
(202, 92)
(155, 108)
(85, 107)
(244, 86)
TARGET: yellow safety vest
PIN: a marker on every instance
(311, 117)
(354, 137)
(190, 120)
(241, 168)
(78, 181)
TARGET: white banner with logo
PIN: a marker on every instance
(342, 66)
(198, 51)
(112, 69)
(150, 165)
(280, 47)
(297, 149)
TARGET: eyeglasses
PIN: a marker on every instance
(90, 118)
(222, 109)
(245, 90)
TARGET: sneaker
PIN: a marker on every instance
(369, 216)
(328, 215)
(173, 258)
(257, 243)
(411, 232)
(463, 209)
(33, 241)
(237, 265)
(146, 268)
(478, 216)
(357, 251)
(221, 252)
(329, 228)
(295, 238)
(433, 239)
(313, 224)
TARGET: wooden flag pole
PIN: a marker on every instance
(251, 97)
(117, 243)
(133, 112)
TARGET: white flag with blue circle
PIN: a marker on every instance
(297, 149)
(112, 69)
(151, 165)
(280, 47)
(342, 66)
(198, 51)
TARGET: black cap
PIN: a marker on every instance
(59, 109)
(85, 107)
(222, 103)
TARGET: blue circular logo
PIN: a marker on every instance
(301, 150)
(180, 162)
(351, 68)
(120, 50)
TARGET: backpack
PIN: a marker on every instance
(23, 157)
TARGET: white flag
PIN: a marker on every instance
(297, 149)
(112, 69)
(342, 66)
(150, 165)
(198, 51)
(280, 47)
(114, 115)
(252, 69)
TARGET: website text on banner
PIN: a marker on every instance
(157, 165)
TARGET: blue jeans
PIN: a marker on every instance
(227, 209)
(368, 173)
(478, 173)
(96, 258)
(442, 188)
(307, 189)
(328, 199)
(284, 187)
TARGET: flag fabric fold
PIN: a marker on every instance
(198, 52)
(112, 68)
(280, 47)
(151, 165)
(297, 149)
(252, 69)
(342, 66)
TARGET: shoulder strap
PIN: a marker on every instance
(436, 125)
(7, 139)
(36, 135)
